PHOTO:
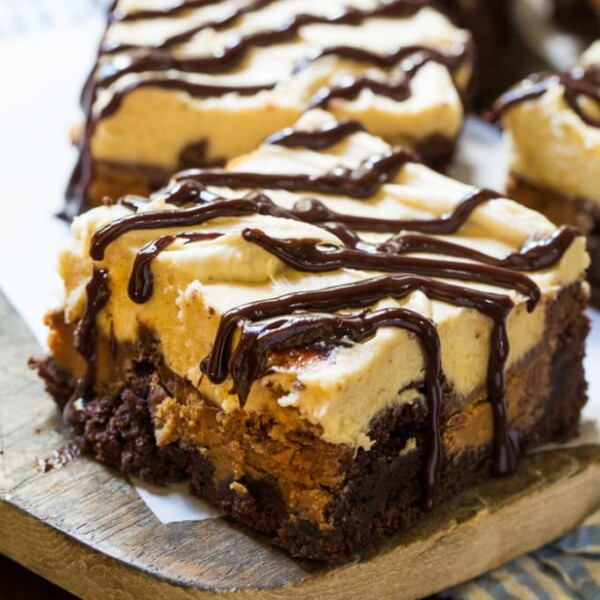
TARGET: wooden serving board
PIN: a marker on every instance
(83, 527)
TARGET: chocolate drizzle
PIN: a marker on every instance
(326, 136)
(141, 283)
(177, 9)
(318, 257)
(578, 83)
(398, 91)
(361, 183)
(314, 211)
(197, 90)
(98, 294)
(159, 57)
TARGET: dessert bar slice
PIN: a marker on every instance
(553, 126)
(327, 336)
(196, 83)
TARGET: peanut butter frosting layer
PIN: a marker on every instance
(326, 272)
(553, 127)
(221, 76)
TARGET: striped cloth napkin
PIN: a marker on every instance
(566, 569)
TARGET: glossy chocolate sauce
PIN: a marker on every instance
(141, 282)
(579, 83)
(97, 296)
(360, 183)
(324, 137)
(315, 256)
(398, 91)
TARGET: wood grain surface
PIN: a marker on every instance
(84, 528)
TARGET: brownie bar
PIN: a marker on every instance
(346, 502)
(581, 213)
(198, 85)
(326, 335)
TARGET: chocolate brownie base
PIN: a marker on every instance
(355, 499)
(562, 210)
(114, 179)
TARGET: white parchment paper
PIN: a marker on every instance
(38, 106)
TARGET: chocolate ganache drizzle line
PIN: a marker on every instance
(98, 294)
(311, 210)
(418, 53)
(187, 217)
(398, 91)
(532, 256)
(197, 90)
(159, 58)
(261, 204)
(319, 139)
(316, 257)
(141, 282)
(360, 183)
(184, 36)
(314, 211)
(164, 61)
(577, 83)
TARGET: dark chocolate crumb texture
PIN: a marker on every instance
(327, 336)
(198, 83)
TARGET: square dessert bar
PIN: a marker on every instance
(326, 336)
(553, 126)
(187, 84)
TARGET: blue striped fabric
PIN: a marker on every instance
(568, 568)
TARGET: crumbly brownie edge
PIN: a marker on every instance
(382, 488)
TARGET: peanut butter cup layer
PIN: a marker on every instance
(327, 336)
(190, 84)
(553, 125)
